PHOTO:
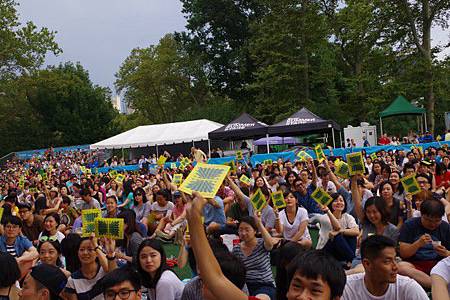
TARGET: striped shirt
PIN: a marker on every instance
(83, 287)
(11, 250)
(257, 263)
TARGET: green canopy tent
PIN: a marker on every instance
(401, 106)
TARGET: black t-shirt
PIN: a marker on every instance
(412, 230)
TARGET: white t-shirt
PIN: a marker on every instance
(347, 221)
(166, 210)
(59, 236)
(290, 229)
(169, 287)
(443, 269)
(330, 188)
(404, 289)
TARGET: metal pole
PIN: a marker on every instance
(267, 143)
(157, 153)
(426, 125)
(123, 155)
(209, 148)
(340, 139)
(334, 141)
(381, 126)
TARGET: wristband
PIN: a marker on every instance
(111, 258)
(98, 248)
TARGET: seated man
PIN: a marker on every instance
(16, 244)
(424, 241)
(124, 282)
(214, 213)
(380, 280)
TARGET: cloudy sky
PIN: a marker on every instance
(101, 33)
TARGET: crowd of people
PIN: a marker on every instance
(373, 240)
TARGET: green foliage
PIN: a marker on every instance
(22, 48)
(70, 105)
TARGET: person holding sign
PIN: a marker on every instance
(267, 213)
(94, 264)
(292, 222)
(255, 254)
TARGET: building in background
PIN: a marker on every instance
(119, 104)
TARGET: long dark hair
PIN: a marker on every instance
(129, 218)
(380, 205)
(140, 191)
(264, 188)
(57, 247)
(57, 218)
(69, 248)
(147, 280)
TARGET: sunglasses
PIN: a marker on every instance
(45, 238)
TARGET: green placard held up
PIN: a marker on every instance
(244, 179)
(410, 184)
(355, 163)
(278, 200)
(341, 169)
(267, 162)
(319, 153)
(239, 155)
(321, 196)
(177, 179)
(258, 200)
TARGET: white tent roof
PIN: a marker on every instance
(160, 134)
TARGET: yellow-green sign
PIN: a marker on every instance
(278, 200)
(321, 196)
(258, 200)
(205, 179)
(355, 163)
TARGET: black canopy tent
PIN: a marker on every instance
(304, 121)
(243, 127)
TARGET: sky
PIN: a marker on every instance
(100, 34)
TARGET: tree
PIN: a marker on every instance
(73, 109)
(22, 48)
(163, 82)
(417, 18)
(294, 60)
(218, 32)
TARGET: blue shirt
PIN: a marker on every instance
(214, 214)
(412, 230)
(307, 202)
(21, 244)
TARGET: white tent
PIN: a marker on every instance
(160, 134)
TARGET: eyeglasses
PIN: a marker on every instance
(123, 294)
(12, 226)
(45, 238)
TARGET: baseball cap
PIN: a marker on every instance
(51, 277)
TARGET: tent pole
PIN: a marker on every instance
(209, 148)
(157, 154)
(334, 141)
(426, 125)
(267, 143)
(123, 155)
(381, 127)
(340, 139)
(418, 123)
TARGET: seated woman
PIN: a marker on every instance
(255, 254)
(94, 264)
(342, 239)
(50, 254)
(267, 213)
(292, 222)
(51, 223)
(158, 280)
(168, 226)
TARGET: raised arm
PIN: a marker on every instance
(313, 171)
(356, 197)
(268, 241)
(212, 275)
(238, 192)
(333, 177)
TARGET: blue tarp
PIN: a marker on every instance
(29, 153)
(342, 152)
